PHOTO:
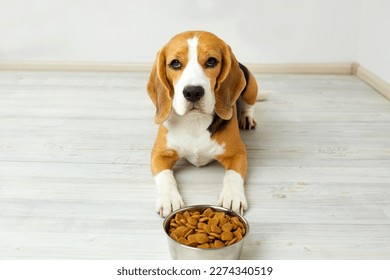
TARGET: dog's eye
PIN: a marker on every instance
(211, 62)
(175, 64)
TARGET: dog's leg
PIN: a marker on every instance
(247, 102)
(233, 194)
(247, 116)
(162, 163)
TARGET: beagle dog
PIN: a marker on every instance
(202, 95)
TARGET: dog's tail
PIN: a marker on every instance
(262, 95)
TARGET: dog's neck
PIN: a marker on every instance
(190, 122)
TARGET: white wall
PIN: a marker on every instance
(259, 31)
(374, 40)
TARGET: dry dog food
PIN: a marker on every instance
(209, 229)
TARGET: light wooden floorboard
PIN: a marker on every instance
(75, 180)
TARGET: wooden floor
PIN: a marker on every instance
(75, 180)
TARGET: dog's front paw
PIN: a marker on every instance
(169, 199)
(169, 202)
(234, 200)
(233, 195)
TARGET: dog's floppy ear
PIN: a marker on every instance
(159, 89)
(230, 83)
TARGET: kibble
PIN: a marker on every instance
(209, 229)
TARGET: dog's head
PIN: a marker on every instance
(195, 72)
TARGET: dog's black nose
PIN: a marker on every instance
(193, 93)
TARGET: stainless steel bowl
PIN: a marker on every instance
(179, 251)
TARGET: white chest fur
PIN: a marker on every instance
(188, 135)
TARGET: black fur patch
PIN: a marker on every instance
(217, 125)
(246, 75)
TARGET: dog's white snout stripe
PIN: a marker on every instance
(193, 76)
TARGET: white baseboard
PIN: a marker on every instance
(303, 68)
(281, 68)
(74, 66)
(373, 80)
